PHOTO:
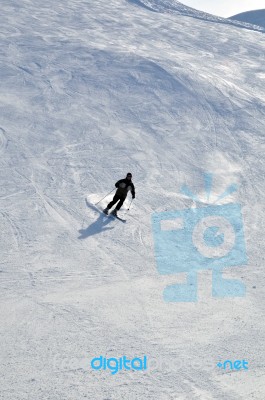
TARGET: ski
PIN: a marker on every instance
(96, 208)
(116, 217)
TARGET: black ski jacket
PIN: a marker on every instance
(124, 186)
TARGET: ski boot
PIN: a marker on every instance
(114, 212)
(106, 210)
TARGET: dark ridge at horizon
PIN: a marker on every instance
(178, 8)
(255, 17)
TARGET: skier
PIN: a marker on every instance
(123, 187)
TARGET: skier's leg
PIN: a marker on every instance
(113, 201)
(120, 203)
(118, 206)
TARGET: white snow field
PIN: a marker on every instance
(89, 91)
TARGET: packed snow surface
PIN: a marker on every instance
(91, 90)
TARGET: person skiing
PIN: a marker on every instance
(123, 187)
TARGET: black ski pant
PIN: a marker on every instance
(116, 199)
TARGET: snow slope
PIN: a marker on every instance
(90, 91)
(255, 17)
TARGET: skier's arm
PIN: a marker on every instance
(118, 183)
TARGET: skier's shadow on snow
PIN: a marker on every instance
(96, 227)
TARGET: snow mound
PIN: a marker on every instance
(175, 7)
(255, 17)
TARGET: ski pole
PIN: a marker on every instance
(104, 196)
(130, 205)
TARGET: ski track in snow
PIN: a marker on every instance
(3, 140)
(90, 91)
(15, 229)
